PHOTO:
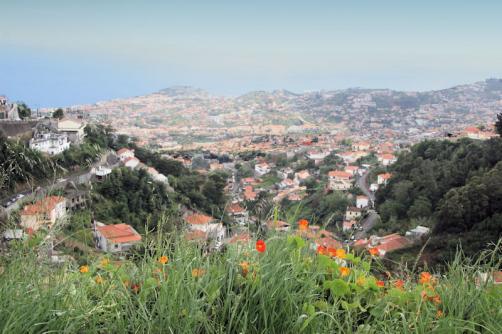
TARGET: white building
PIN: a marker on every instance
(125, 153)
(131, 163)
(362, 201)
(50, 143)
(116, 238)
(102, 172)
(156, 176)
(73, 129)
(262, 169)
(208, 226)
(339, 180)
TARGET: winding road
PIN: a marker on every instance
(369, 222)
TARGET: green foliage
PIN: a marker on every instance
(131, 197)
(498, 124)
(58, 113)
(287, 289)
(455, 184)
(23, 110)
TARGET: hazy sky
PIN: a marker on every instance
(57, 53)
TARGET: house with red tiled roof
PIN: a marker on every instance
(362, 201)
(361, 146)
(351, 169)
(301, 176)
(383, 178)
(339, 180)
(353, 213)
(210, 226)
(348, 225)
(249, 193)
(116, 238)
(44, 212)
(125, 153)
(386, 159)
(238, 213)
(389, 243)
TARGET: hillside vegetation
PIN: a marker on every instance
(454, 187)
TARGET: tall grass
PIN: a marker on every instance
(287, 289)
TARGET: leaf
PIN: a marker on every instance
(337, 287)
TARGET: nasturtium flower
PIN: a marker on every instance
(135, 288)
(425, 278)
(303, 224)
(439, 314)
(163, 259)
(380, 284)
(374, 251)
(244, 267)
(198, 272)
(322, 250)
(332, 252)
(261, 246)
(436, 299)
(340, 253)
(84, 269)
(399, 284)
(344, 271)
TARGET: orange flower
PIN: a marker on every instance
(380, 284)
(332, 252)
(374, 251)
(340, 253)
(439, 314)
(245, 268)
(104, 262)
(198, 272)
(84, 269)
(399, 284)
(163, 259)
(322, 250)
(98, 279)
(261, 246)
(344, 271)
(436, 299)
(425, 277)
(303, 224)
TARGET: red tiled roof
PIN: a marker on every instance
(385, 176)
(198, 219)
(123, 150)
(328, 242)
(240, 238)
(119, 233)
(235, 208)
(196, 235)
(44, 205)
(340, 174)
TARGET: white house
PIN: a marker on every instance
(73, 129)
(383, 178)
(44, 212)
(362, 201)
(50, 143)
(301, 176)
(125, 153)
(339, 180)
(116, 238)
(418, 232)
(373, 187)
(102, 172)
(262, 168)
(353, 213)
(156, 176)
(386, 159)
(239, 214)
(131, 163)
(207, 225)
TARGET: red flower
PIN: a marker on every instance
(399, 284)
(380, 284)
(374, 251)
(322, 250)
(261, 246)
(303, 224)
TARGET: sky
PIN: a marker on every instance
(61, 53)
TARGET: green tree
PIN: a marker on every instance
(498, 124)
(23, 110)
(58, 113)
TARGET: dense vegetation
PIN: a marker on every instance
(454, 187)
(279, 286)
(132, 197)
